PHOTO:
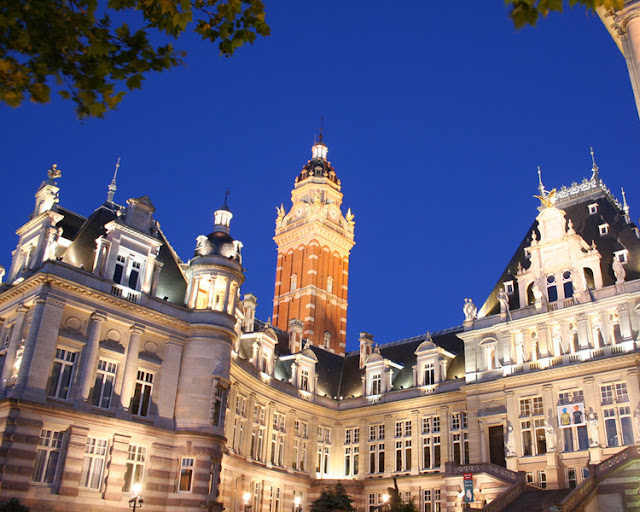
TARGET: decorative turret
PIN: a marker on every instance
(314, 239)
(214, 275)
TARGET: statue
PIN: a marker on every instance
(503, 299)
(2, 272)
(470, 310)
(203, 248)
(550, 435)
(52, 244)
(592, 428)
(636, 423)
(547, 200)
(54, 172)
(519, 342)
(350, 218)
(281, 213)
(510, 444)
(618, 270)
(537, 291)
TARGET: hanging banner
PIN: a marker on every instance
(468, 487)
(571, 415)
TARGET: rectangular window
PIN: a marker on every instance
(61, 374)
(376, 458)
(241, 404)
(119, 269)
(542, 479)
(432, 501)
(95, 456)
(47, 456)
(214, 477)
(572, 478)
(141, 400)
(103, 387)
(218, 406)
(135, 467)
(622, 394)
(304, 380)
(460, 447)
(606, 394)
(429, 374)
(186, 473)
(376, 384)
(431, 452)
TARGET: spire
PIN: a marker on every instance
(112, 185)
(222, 216)
(594, 167)
(540, 185)
(625, 206)
(319, 149)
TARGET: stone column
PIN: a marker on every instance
(212, 290)
(415, 442)
(90, 354)
(506, 348)
(627, 23)
(484, 441)
(168, 388)
(73, 461)
(543, 340)
(250, 415)
(584, 331)
(288, 447)
(14, 343)
(102, 246)
(39, 348)
(131, 366)
(269, 430)
(389, 445)
(364, 450)
(445, 455)
(625, 322)
(117, 467)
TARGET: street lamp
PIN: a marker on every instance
(296, 504)
(246, 497)
(136, 500)
(385, 502)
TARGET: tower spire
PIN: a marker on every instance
(625, 206)
(112, 185)
(594, 167)
(540, 185)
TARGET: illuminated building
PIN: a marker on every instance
(121, 364)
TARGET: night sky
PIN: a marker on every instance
(436, 120)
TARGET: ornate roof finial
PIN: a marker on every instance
(625, 206)
(540, 185)
(54, 173)
(594, 167)
(321, 135)
(226, 196)
(112, 185)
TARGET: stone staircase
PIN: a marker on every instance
(535, 499)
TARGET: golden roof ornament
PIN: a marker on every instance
(54, 172)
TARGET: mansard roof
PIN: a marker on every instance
(575, 201)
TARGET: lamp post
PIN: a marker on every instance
(246, 497)
(136, 500)
(385, 502)
(296, 504)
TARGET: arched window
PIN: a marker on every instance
(294, 282)
(330, 284)
(531, 300)
(327, 339)
(552, 290)
(589, 281)
(567, 284)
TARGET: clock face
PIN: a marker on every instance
(300, 211)
(333, 215)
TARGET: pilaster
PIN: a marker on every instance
(90, 355)
(168, 386)
(131, 366)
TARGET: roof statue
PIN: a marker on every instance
(594, 167)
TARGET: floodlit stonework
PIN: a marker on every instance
(121, 365)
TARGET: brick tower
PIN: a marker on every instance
(312, 274)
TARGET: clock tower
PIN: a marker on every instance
(312, 274)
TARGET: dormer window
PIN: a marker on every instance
(127, 271)
(593, 208)
(376, 384)
(603, 229)
(621, 256)
(508, 287)
(429, 374)
(304, 380)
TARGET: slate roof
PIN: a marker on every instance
(622, 235)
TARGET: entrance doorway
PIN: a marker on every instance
(496, 446)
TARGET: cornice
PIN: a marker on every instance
(57, 217)
(296, 234)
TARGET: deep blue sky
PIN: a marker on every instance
(435, 120)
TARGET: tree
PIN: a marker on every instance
(527, 12)
(13, 505)
(96, 53)
(331, 500)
